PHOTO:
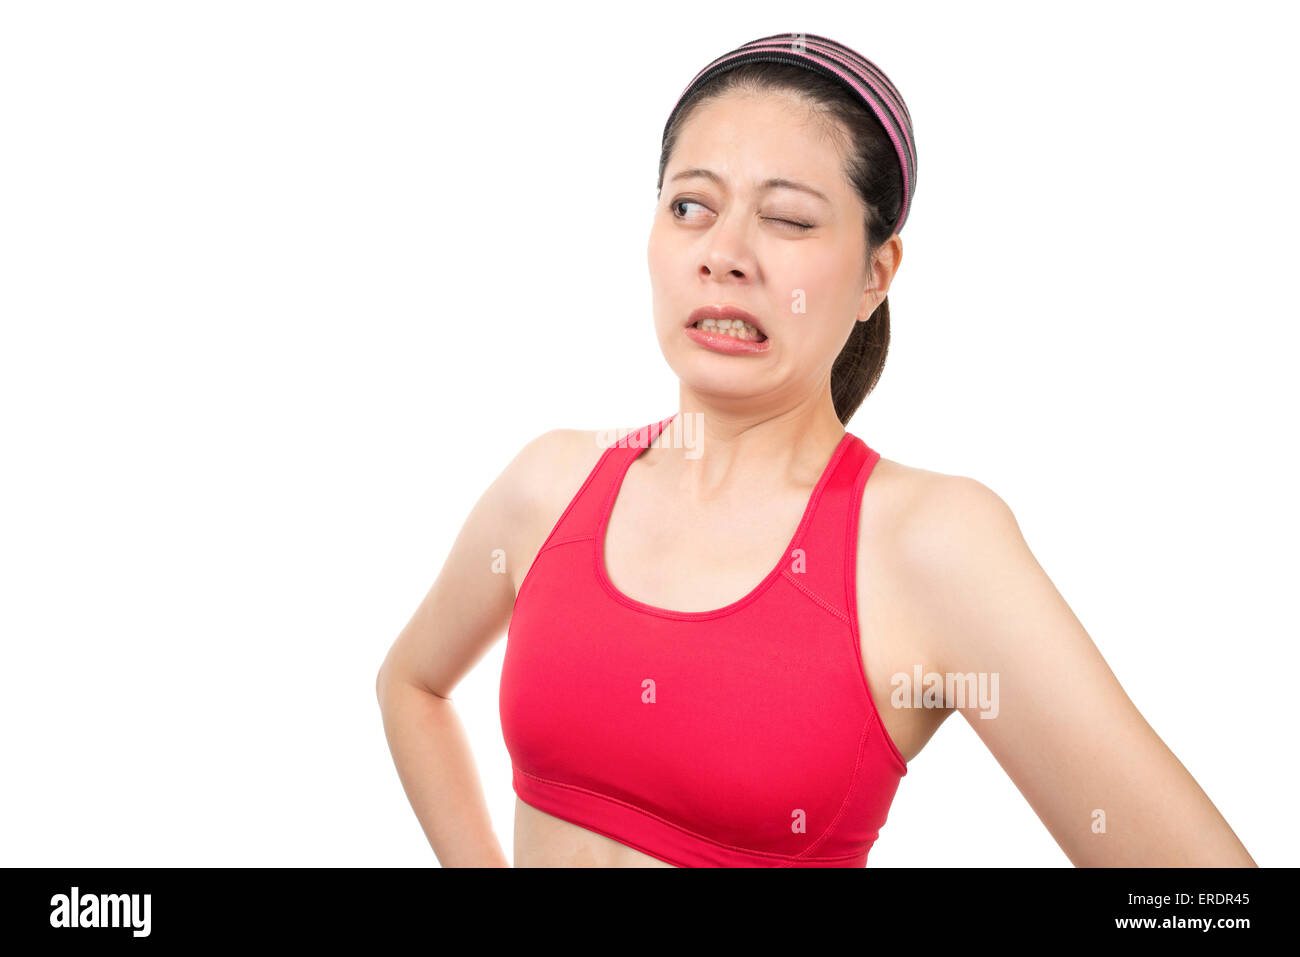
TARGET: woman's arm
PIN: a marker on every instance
(1064, 730)
(465, 611)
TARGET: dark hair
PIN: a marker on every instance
(873, 171)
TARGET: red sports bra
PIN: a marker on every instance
(742, 736)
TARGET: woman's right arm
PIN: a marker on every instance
(465, 611)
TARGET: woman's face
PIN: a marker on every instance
(724, 236)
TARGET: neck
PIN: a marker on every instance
(747, 449)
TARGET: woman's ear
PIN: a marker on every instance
(884, 265)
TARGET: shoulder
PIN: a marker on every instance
(935, 521)
(558, 448)
(540, 482)
(549, 465)
(950, 557)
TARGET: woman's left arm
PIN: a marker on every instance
(1103, 782)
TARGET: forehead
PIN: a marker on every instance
(747, 137)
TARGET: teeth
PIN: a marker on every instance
(736, 328)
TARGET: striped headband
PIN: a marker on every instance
(836, 62)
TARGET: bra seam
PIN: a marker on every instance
(559, 522)
(814, 597)
(567, 541)
(694, 834)
(848, 796)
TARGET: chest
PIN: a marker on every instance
(670, 664)
(694, 557)
(670, 554)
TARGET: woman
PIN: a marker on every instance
(725, 643)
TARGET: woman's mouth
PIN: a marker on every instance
(736, 328)
(730, 336)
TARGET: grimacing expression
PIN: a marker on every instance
(723, 234)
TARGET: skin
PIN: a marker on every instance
(945, 578)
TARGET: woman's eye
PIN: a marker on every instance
(684, 202)
(790, 222)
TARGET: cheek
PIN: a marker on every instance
(661, 262)
(659, 256)
(806, 291)
(815, 306)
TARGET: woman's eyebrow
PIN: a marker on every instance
(776, 182)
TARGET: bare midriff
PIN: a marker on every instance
(544, 840)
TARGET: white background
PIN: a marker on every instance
(284, 286)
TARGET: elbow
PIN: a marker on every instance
(386, 681)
